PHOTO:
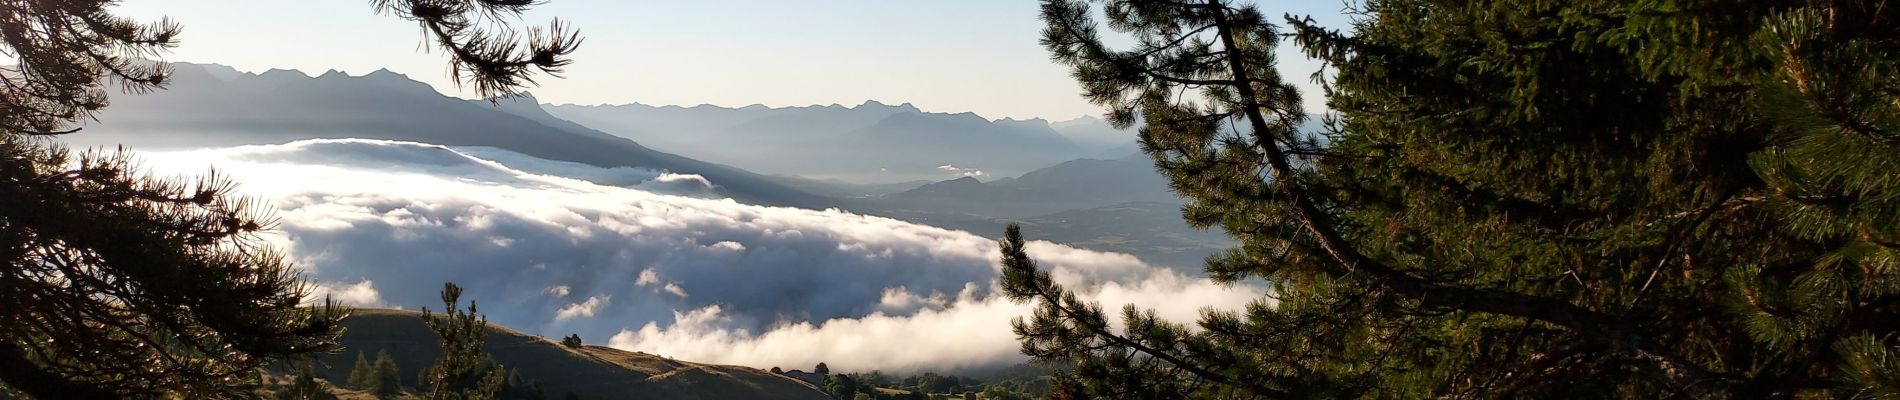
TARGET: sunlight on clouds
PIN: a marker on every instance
(971, 331)
(658, 267)
(583, 309)
(356, 294)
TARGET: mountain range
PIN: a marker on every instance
(210, 105)
(216, 106)
(870, 142)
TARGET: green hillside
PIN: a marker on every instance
(591, 372)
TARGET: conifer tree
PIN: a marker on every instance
(1513, 199)
(360, 373)
(464, 372)
(305, 386)
(385, 381)
(116, 284)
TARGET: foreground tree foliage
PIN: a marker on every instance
(1579, 199)
(121, 285)
(382, 378)
(116, 284)
(464, 372)
(304, 385)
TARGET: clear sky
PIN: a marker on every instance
(945, 56)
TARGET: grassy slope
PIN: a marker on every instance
(592, 372)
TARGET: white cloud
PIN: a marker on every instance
(728, 245)
(356, 294)
(958, 171)
(648, 278)
(768, 285)
(674, 289)
(970, 332)
(585, 309)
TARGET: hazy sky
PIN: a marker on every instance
(946, 56)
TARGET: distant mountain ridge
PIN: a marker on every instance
(1080, 183)
(869, 142)
(1099, 137)
(215, 106)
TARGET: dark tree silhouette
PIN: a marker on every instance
(494, 60)
(117, 284)
(1516, 199)
(385, 379)
(304, 385)
(464, 372)
(122, 285)
(360, 373)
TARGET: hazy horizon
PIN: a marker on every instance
(967, 56)
(539, 99)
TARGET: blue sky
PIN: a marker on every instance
(947, 56)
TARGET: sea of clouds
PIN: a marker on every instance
(650, 261)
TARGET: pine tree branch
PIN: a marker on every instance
(1190, 81)
(21, 373)
(1035, 284)
(1588, 324)
(1170, 358)
(1176, 42)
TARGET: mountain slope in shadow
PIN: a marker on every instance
(589, 372)
(1075, 184)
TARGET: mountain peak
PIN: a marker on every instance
(385, 73)
(518, 97)
(283, 73)
(215, 71)
(967, 116)
(906, 106)
(960, 182)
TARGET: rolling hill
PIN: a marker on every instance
(589, 372)
(1074, 184)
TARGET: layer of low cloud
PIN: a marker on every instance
(960, 171)
(644, 260)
